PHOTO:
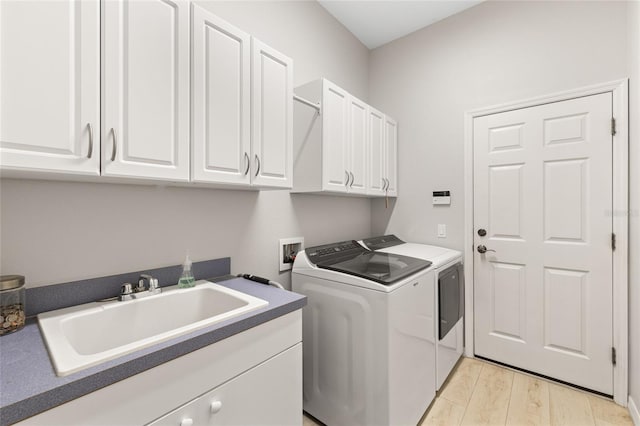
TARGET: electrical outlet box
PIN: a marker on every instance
(288, 249)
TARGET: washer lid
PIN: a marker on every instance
(351, 258)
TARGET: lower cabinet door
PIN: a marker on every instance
(268, 394)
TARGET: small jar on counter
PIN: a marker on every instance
(12, 303)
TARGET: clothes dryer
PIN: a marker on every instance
(449, 286)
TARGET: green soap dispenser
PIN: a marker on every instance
(186, 278)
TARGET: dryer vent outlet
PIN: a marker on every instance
(288, 249)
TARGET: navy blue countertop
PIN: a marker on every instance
(29, 384)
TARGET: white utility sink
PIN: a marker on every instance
(86, 335)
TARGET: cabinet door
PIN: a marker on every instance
(145, 89)
(272, 117)
(357, 156)
(268, 394)
(391, 151)
(377, 155)
(50, 86)
(221, 100)
(334, 138)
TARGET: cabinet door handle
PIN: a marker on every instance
(248, 161)
(216, 406)
(186, 422)
(384, 183)
(346, 173)
(387, 186)
(115, 144)
(257, 164)
(90, 140)
(352, 179)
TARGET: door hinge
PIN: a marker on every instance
(613, 241)
(613, 356)
(613, 126)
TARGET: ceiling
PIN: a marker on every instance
(378, 22)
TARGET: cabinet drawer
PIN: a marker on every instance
(268, 394)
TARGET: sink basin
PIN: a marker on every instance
(86, 335)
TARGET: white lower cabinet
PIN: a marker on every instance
(251, 378)
(261, 396)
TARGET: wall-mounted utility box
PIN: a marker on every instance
(288, 249)
(441, 198)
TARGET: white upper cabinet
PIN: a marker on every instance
(145, 89)
(350, 148)
(150, 90)
(50, 86)
(221, 99)
(358, 138)
(383, 155)
(242, 95)
(335, 134)
(376, 184)
(391, 160)
(272, 117)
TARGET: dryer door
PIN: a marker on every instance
(450, 304)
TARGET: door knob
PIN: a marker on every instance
(483, 249)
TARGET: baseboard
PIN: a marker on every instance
(633, 410)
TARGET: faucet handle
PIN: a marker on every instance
(126, 289)
(140, 286)
(153, 283)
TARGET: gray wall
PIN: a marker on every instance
(55, 232)
(633, 49)
(494, 53)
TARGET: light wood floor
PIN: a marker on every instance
(480, 393)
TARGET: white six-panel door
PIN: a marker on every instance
(543, 193)
(50, 86)
(272, 117)
(221, 99)
(145, 91)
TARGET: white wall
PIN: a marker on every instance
(493, 53)
(633, 51)
(54, 232)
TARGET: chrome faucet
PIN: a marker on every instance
(128, 292)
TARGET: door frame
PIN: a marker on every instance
(620, 91)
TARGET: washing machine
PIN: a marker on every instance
(368, 335)
(449, 287)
